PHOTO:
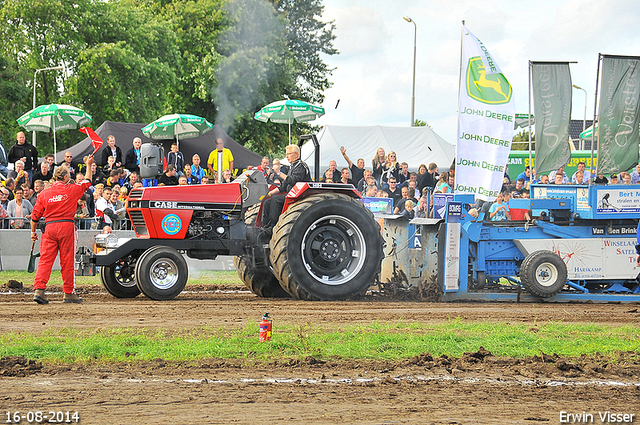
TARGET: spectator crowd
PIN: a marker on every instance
(105, 202)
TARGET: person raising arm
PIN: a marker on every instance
(58, 204)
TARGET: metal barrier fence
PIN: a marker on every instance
(91, 223)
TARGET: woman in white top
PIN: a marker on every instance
(21, 209)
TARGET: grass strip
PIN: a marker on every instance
(389, 341)
(226, 277)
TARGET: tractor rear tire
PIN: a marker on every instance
(543, 273)
(259, 279)
(119, 278)
(326, 247)
(161, 273)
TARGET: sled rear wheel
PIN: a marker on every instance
(543, 273)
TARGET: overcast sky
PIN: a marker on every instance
(373, 75)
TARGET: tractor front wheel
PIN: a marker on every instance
(119, 278)
(162, 273)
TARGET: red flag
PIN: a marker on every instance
(96, 141)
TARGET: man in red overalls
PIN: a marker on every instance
(58, 205)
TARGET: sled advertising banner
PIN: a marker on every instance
(485, 122)
(552, 91)
(619, 114)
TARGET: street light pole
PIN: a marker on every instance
(34, 90)
(584, 121)
(413, 93)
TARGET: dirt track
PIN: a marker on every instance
(478, 389)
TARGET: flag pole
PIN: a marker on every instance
(459, 88)
(595, 111)
(55, 146)
(531, 175)
(460, 73)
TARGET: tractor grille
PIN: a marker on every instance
(138, 222)
(136, 194)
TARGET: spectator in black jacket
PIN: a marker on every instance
(191, 179)
(111, 150)
(98, 175)
(68, 158)
(393, 191)
(428, 179)
(132, 158)
(168, 178)
(357, 171)
(133, 178)
(44, 173)
(26, 152)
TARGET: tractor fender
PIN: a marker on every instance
(303, 190)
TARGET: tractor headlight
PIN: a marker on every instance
(106, 240)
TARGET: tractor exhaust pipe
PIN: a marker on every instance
(316, 148)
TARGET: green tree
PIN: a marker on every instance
(308, 38)
(197, 25)
(134, 60)
(271, 54)
(120, 84)
(37, 34)
(14, 96)
(520, 141)
(255, 70)
(128, 70)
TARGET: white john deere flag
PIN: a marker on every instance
(485, 122)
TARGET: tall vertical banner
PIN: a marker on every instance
(485, 121)
(552, 91)
(619, 114)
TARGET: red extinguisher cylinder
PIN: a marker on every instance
(265, 328)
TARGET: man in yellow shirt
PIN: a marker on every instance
(227, 160)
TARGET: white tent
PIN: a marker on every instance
(413, 145)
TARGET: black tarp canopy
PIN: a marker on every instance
(125, 132)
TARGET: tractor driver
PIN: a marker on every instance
(299, 172)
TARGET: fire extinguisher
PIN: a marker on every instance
(265, 328)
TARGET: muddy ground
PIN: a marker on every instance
(477, 388)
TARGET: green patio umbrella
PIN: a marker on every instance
(180, 126)
(54, 117)
(288, 111)
(522, 120)
(587, 133)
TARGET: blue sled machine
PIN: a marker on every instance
(579, 246)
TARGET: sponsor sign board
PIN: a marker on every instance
(591, 258)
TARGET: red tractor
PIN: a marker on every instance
(325, 246)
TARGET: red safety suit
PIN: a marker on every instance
(58, 205)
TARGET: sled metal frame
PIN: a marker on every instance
(492, 248)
